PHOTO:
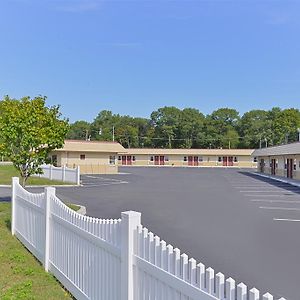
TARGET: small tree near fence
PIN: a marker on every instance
(29, 131)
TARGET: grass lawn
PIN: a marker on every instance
(22, 276)
(9, 171)
(73, 206)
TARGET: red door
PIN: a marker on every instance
(123, 160)
(230, 161)
(224, 160)
(262, 165)
(161, 160)
(129, 161)
(290, 168)
(273, 166)
(190, 160)
(196, 160)
(156, 160)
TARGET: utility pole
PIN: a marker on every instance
(113, 133)
(259, 143)
(86, 134)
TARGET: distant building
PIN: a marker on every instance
(240, 158)
(283, 160)
(93, 157)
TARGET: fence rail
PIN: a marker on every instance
(63, 173)
(113, 259)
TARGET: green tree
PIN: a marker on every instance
(285, 125)
(29, 131)
(166, 121)
(79, 130)
(255, 127)
(221, 128)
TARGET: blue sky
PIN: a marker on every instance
(133, 57)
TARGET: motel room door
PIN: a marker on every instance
(230, 161)
(290, 165)
(196, 160)
(273, 166)
(129, 161)
(190, 160)
(224, 160)
(156, 160)
(262, 165)
(123, 160)
(161, 160)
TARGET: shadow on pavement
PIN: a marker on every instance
(273, 182)
(5, 199)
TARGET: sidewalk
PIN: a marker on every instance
(290, 181)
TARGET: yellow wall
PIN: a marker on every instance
(94, 163)
(178, 160)
(281, 160)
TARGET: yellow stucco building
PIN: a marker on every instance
(283, 160)
(188, 157)
(92, 157)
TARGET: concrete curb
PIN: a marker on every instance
(41, 186)
(81, 210)
(278, 179)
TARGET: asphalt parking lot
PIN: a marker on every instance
(240, 224)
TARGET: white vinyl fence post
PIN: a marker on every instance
(63, 173)
(14, 183)
(49, 191)
(78, 175)
(50, 172)
(129, 224)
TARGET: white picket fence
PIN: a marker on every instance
(113, 259)
(63, 173)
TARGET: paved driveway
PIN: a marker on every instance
(243, 225)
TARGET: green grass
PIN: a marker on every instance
(9, 171)
(22, 276)
(73, 206)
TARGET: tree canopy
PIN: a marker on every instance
(29, 131)
(171, 127)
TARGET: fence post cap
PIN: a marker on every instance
(16, 179)
(50, 190)
(131, 214)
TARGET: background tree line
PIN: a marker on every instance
(171, 127)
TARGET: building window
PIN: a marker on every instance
(112, 160)
(185, 158)
(200, 158)
(133, 158)
(235, 159)
(151, 158)
(82, 156)
(255, 159)
(219, 159)
(119, 157)
(166, 158)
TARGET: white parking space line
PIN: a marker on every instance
(280, 196)
(264, 191)
(275, 201)
(279, 208)
(286, 220)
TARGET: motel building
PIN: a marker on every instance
(283, 160)
(240, 158)
(93, 157)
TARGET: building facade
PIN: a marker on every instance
(283, 160)
(92, 157)
(240, 158)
